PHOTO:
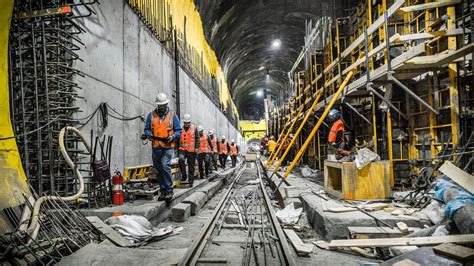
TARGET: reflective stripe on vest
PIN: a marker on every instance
(187, 141)
(223, 149)
(204, 144)
(233, 149)
(214, 144)
(162, 129)
(336, 127)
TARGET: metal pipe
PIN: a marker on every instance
(358, 113)
(275, 154)
(414, 95)
(320, 121)
(297, 133)
(376, 93)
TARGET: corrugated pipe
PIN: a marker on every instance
(36, 208)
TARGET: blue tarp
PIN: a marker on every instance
(462, 198)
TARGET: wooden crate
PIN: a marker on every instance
(343, 180)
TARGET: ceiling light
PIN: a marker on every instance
(276, 44)
(259, 93)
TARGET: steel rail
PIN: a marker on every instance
(285, 254)
(192, 254)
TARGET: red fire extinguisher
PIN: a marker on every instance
(117, 189)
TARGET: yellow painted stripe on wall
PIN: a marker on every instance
(12, 177)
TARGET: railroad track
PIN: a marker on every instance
(243, 228)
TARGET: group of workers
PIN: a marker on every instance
(163, 129)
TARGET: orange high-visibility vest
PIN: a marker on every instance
(204, 144)
(233, 149)
(271, 145)
(214, 144)
(162, 129)
(223, 149)
(336, 127)
(187, 141)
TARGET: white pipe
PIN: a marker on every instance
(36, 208)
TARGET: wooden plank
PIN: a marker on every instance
(437, 60)
(429, 35)
(300, 246)
(431, 5)
(364, 232)
(109, 232)
(341, 209)
(414, 241)
(459, 176)
(457, 252)
(371, 29)
(321, 244)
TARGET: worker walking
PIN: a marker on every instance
(234, 151)
(272, 144)
(223, 151)
(188, 146)
(162, 128)
(215, 149)
(205, 149)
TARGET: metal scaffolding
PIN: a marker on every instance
(412, 63)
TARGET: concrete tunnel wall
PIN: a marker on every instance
(126, 66)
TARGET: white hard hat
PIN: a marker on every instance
(186, 118)
(161, 99)
(232, 141)
(200, 128)
(211, 132)
(223, 136)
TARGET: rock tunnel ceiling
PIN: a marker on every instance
(257, 42)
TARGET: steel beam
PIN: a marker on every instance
(414, 95)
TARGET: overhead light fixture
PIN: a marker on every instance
(276, 44)
(260, 93)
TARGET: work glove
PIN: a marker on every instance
(170, 139)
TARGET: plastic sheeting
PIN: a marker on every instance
(454, 202)
(364, 157)
(289, 215)
(138, 229)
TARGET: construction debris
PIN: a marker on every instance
(289, 215)
(138, 229)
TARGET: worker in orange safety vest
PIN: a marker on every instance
(336, 134)
(162, 128)
(203, 154)
(188, 147)
(234, 151)
(215, 149)
(224, 149)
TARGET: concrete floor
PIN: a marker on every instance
(171, 249)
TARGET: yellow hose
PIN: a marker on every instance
(36, 208)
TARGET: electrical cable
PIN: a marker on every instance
(30, 132)
(103, 122)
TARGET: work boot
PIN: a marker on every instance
(169, 196)
(183, 178)
(162, 196)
